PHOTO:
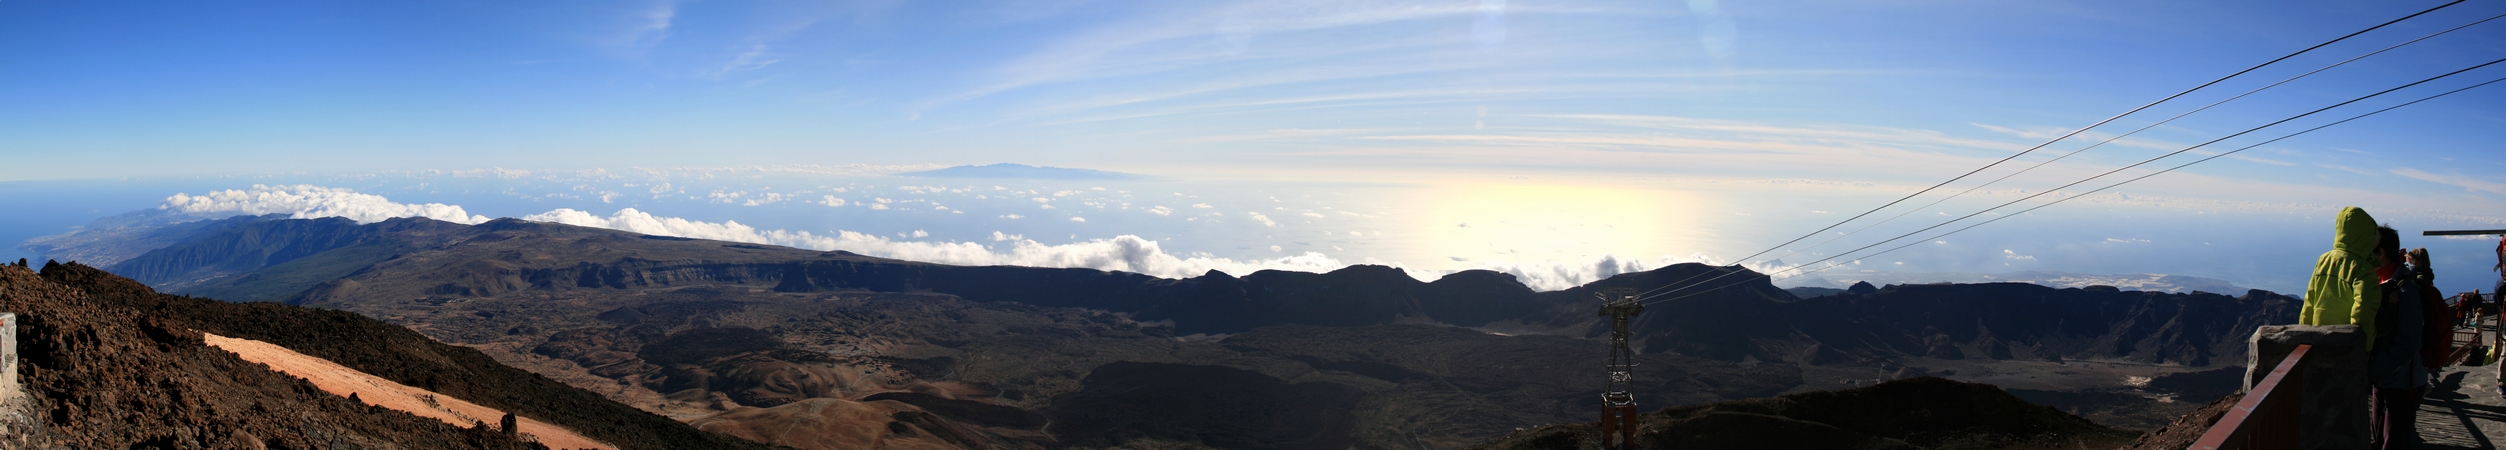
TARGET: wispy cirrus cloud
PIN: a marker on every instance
(2346, 169)
(1130, 47)
(2037, 133)
(638, 29)
(756, 57)
(1428, 81)
(1812, 133)
(1636, 140)
(1296, 46)
(2455, 179)
(2099, 137)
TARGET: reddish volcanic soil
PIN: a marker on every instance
(343, 381)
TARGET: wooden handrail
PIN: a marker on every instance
(2280, 393)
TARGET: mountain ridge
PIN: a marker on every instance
(658, 322)
(1750, 319)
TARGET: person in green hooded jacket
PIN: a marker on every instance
(2343, 290)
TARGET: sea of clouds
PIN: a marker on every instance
(1127, 252)
(309, 202)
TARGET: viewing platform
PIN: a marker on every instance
(2303, 392)
(2463, 409)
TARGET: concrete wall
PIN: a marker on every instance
(2334, 410)
(19, 426)
(9, 391)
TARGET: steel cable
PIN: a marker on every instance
(2054, 140)
(2133, 132)
(2171, 169)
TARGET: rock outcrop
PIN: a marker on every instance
(103, 376)
(175, 323)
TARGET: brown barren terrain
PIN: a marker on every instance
(343, 381)
(782, 345)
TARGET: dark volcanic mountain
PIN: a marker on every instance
(1752, 320)
(1995, 321)
(109, 363)
(743, 335)
(113, 239)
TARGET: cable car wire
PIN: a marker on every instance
(2171, 169)
(2133, 132)
(2064, 136)
(2309, 130)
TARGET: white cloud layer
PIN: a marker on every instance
(1125, 253)
(309, 202)
(1128, 253)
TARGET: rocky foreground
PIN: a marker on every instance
(103, 376)
(109, 363)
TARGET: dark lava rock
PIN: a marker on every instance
(1771, 432)
(1912, 413)
(1215, 406)
(967, 411)
(698, 345)
(2189, 428)
(358, 342)
(103, 376)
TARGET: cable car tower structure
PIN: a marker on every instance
(1618, 398)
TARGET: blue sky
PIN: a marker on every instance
(1681, 129)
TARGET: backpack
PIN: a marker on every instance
(2437, 339)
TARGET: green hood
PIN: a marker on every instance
(2356, 233)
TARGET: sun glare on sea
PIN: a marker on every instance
(1460, 223)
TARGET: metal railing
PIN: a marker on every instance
(2268, 417)
(2466, 345)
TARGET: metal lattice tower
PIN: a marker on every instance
(1618, 398)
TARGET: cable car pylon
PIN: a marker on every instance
(1618, 398)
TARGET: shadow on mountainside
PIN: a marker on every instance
(1916, 413)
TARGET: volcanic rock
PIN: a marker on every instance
(376, 348)
(103, 376)
(1926, 412)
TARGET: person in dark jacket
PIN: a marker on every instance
(2394, 370)
(2436, 338)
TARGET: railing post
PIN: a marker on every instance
(8, 358)
(2305, 389)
